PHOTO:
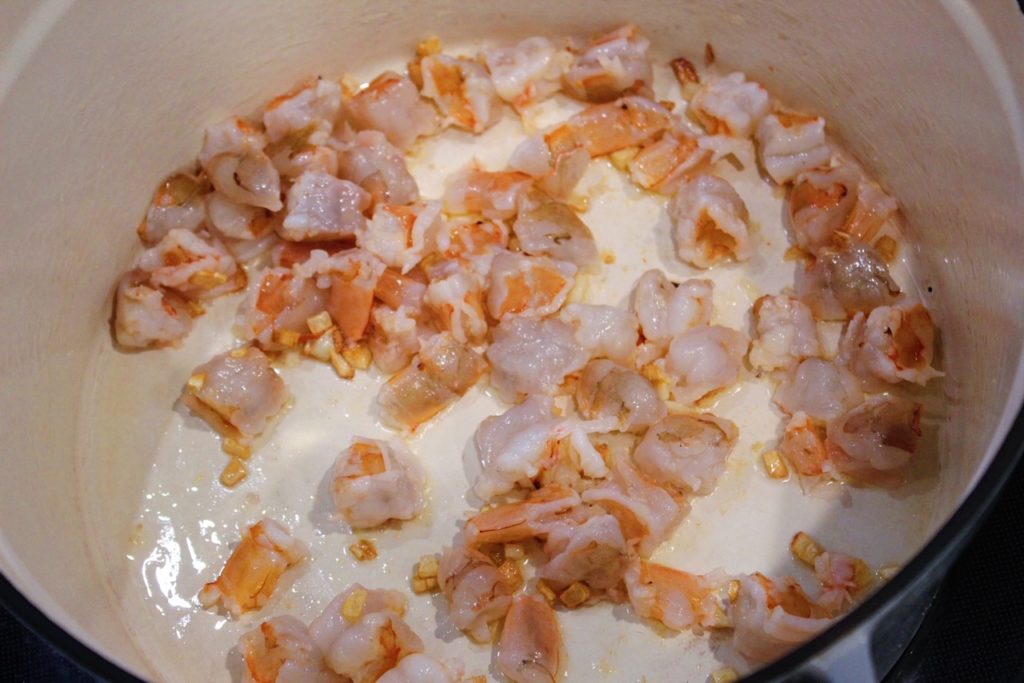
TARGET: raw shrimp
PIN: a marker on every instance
(786, 333)
(419, 668)
(770, 620)
(518, 521)
(373, 163)
(803, 444)
(892, 344)
(457, 302)
(146, 316)
(311, 107)
(278, 302)
(610, 65)
(495, 195)
(351, 277)
(844, 281)
(842, 577)
(392, 105)
(790, 143)
(252, 572)
(603, 331)
(666, 310)
(532, 286)
(553, 229)
(400, 235)
(234, 136)
(237, 166)
(531, 356)
(662, 165)
(478, 592)
(374, 481)
(322, 207)
(594, 553)
(729, 104)
(176, 204)
(462, 90)
(710, 222)
(677, 599)
(687, 452)
(605, 128)
(472, 243)
(529, 650)
(527, 72)
(608, 389)
(236, 221)
(875, 442)
(282, 651)
(237, 393)
(196, 266)
(394, 337)
(555, 171)
(705, 359)
(818, 387)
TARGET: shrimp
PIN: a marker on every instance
(311, 106)
(873, 209)
(233, 136)
(786, 333)
(148, 316)
(518, 521)
(769, 620)
(472, 243)
(396, 290)
(462, 91)
(729, 104)
(601, 129)
(875, 442)
(296, 154)
(803, 444)
(555, 171)
(843, 281)
(351, 277)
(608, 389)
(687, 452)
(842, 577)
(529, 650)
(478, 592)
(791, 143)
(419, 668)
(527, 72)
(494, 195)
(553, 229)
(176, 204)
(665, 310)
(710, 222)
(322, 207)
(530, 286)
(236, 221)
(457, 302)
(373, 163)
(400, 236)
(675, 598)
(281, 650)
(362, 633)
(818, 387)
(820, 204)
(237, 393)
(662, 165)
(609, 66)
(393, 337)
(196, 266)
(237, 166)
(532, 356)
(278, 302)
(705, 359)
(392, 105)
(603, 331)
(375, 481)
(252, 572)
(892, 344)
(593, 553)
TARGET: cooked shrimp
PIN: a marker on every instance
(531, 356)
(710, 222)
(518, 521)
(608, 389)
(666, 310)
(555, 171)
(252, 572)
(478, 592)
(495, 195)
(148, 316)
(786, 333)
(462, 90)
(247, 178)
(875, 442)
(770, 620)
(593, 553)
(176, 204)
(729, 104)
(603, 331)
(457, 302)
(511, 446)
(234, 136)
(473, 243)
(610, 65)
(704, 359)
(677, 599)
(400, 235)
(662, 165)
(278, 301)
(891, 344)
(842, 577)
(532, 286)
(351, 277)
(393, 337)
(196, 266)
(790, 143)
(529, 650)
(456, 365)
(322, 207)
(311, 106)
(527, 72)
(237, 393)
(281, 650)
(236, 221)
(803, 444)
(373, 163)
(419, 668)
(374, 481)
(396, 290)
(818, 387)
(844, 281)
(392, 105)
(687, 452)
(605, 128)
(553, 229)
(820, 205)
(362, 633)
(873, 209)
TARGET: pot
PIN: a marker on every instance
(100, 99)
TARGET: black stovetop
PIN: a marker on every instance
(973, 632)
